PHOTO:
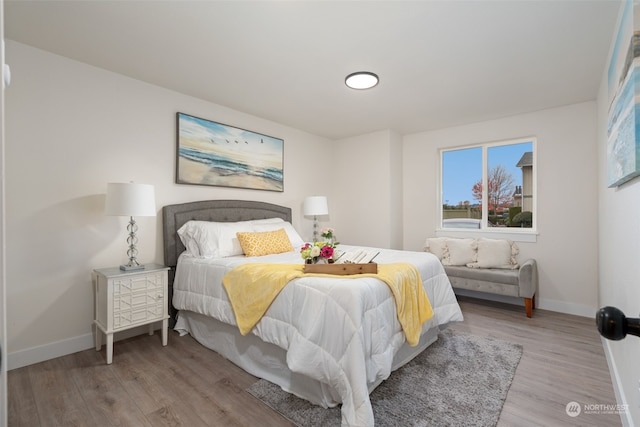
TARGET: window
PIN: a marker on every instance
(489, 187)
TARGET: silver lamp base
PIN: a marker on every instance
(132, 240)
(128, 267)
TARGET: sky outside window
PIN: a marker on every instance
(461, 169)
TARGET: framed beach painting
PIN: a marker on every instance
(211, 153)
(623, 125)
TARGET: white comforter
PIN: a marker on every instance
(342, 332)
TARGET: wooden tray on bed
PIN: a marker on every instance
(342, 269)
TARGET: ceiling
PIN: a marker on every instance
(441, 63)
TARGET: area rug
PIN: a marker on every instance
(460, 380)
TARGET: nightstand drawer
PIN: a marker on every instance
(137, 283)
(136, 300)
(126, 318)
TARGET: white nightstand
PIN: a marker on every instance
(126, 299)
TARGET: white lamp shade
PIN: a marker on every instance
(130, 200)
(315, 205)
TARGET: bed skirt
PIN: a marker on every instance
(268, 361)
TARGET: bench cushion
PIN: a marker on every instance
(494, 281)
(507, 277)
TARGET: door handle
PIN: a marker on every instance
(614, 325)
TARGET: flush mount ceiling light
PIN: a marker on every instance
(361, 80)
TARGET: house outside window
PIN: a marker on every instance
(526, 189)
(489, 187)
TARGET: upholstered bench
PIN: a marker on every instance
(487, 265)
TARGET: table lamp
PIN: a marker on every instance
(129, 199)
(314, 206)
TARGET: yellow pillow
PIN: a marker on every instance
(264, 242)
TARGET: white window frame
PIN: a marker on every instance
(511, 233)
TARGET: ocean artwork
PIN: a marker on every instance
(211, 153)
(623, 161)
(623, 125)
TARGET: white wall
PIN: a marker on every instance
(72, 128)
(396, 226)
(566, 247)
(619, 266)
(367, 192)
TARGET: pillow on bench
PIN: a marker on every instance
(461, 252)
(438, 247)
(496, 253)
(474, 253)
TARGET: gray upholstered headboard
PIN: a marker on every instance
(175, 216)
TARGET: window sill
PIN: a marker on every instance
(526, 235)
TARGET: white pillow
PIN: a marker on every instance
(496, 253)
(267, 221)
(189, 242)
(210, 239)
(461, 252)
(437, 246)
(294, 237)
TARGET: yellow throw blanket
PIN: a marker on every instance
(253, 287)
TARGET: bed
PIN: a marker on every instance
(327, 340)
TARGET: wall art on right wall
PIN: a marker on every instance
(623, 126)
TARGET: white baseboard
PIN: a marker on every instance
(544, 304)
(621, 398)
(567, 308)
(41, 353)
(30, 356)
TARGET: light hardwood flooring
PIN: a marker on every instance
(185, 384)
(562, 361)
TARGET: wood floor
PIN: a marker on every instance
(185, 384)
